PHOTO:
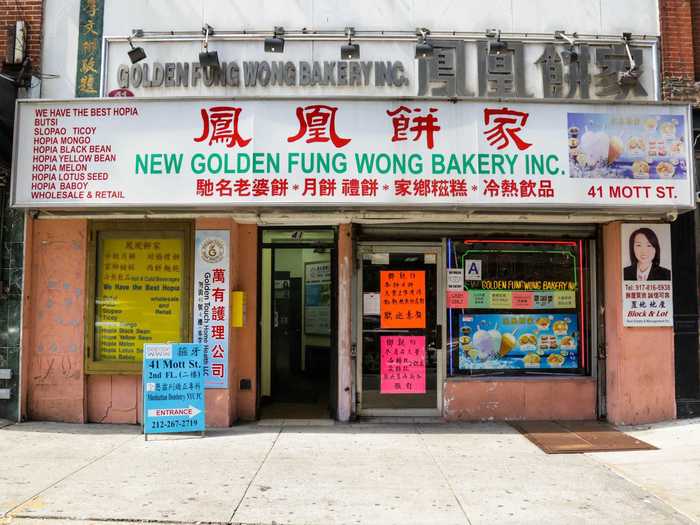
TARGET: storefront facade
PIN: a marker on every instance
(452, 235)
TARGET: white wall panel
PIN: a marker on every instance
(548, 16)
(641, 17)
(59, 50)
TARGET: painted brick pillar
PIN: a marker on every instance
(54, 321)
(640, 377)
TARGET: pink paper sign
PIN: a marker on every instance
(524, 300)
(457, 299)
(402, 364)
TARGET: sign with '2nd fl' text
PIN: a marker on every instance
(173, 388)
(220, 153)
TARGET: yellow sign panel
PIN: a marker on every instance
(501, 300)
(138, 297)
(564, 300)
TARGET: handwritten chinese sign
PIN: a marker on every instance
(87, 82)
(173, 388)
(402, 364)
(211, 303)
(402, 298)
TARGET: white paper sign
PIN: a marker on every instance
(455, 279)
(370, 304)
(647, 287)
(211, 316)
(197, 153)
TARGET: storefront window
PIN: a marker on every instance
(516, 306)
(141, 293)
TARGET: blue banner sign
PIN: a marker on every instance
(173, 388)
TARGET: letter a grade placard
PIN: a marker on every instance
(173, 388)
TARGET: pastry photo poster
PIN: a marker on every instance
(647, 291)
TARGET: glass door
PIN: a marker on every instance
(400, 358)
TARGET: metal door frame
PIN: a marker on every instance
(438, 249)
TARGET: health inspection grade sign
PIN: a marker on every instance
(205, 152)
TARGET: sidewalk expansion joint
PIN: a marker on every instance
(252, 480)
(13, 512)
(442, 473)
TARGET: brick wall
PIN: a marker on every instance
(677, 55)
(31, 11)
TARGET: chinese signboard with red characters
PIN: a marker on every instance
(647, 288)
(265, 153)
(402, 298)
(211, 304)
(402, 364)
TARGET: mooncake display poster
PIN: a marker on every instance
(518, 341)
(609, 145)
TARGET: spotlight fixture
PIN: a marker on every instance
(631, 76)
(350, 51)
(275, 43)
(136, 54)
(496, 45)
(423, 48)
(570, 55)
(208, 59)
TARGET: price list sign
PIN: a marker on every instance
(173, 388)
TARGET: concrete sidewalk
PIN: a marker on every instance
(356, 474)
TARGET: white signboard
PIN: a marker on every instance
(211, 316)
(455, 279)
(647, 290)
(370, 304)
(381, 153)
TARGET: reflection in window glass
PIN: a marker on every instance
(516, 306)
(139, 294)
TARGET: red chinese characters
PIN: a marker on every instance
(220, 124)
(317, 124)
(505, 125)
(405, 119)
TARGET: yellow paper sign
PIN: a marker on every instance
(138, 297)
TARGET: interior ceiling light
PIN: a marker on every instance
(496, 45)
(275, 43)
(136, 54)
(571, 55)
(208, 59)
(423, 48)
(350, 51)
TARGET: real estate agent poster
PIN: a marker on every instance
(647, 291)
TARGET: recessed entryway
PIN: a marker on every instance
(298, 360)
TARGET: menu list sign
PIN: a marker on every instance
(138, 297)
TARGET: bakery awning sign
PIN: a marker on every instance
(209, 153)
